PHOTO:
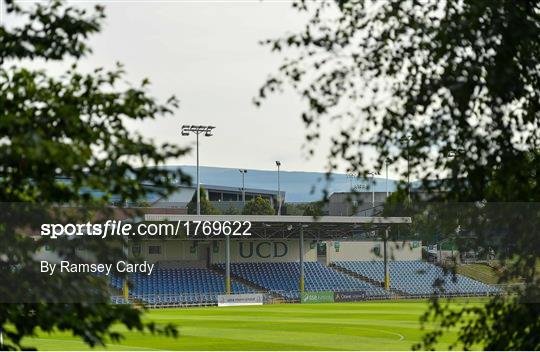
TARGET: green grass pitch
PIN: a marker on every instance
(335, 326)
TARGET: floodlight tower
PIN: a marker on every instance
(243, 172)
(372, 174)
(278, 164)
(386, 161)
(407, 140)
(197, 130)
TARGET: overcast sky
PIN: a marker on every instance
(207, 54)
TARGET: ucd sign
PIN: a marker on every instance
(262, 249)
(317, 297)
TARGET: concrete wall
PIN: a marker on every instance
(276, 250)
(170, 250)
(349, 204)
(365, 250)
(265, 251)
(241, 251)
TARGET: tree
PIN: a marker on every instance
(63, 140)
(306, 209)
(314, 209)
(450, 87)
(294, 208)
(232, 210)
(206, 207)
(258, 206)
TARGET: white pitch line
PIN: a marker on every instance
(401, 337)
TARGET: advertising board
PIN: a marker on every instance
(246, 299)
(349, 296)
(317, 297)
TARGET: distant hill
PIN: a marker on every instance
(300, 186)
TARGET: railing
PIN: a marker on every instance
(162, 300)
(293, 296)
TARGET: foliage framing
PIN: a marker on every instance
(452, 86)
(70, 127)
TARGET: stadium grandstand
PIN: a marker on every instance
(286, 257)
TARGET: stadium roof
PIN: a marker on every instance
(239, 189)
(271, 226)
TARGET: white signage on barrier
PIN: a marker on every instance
(246, 299)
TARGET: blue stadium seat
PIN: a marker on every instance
(193, 286)
(282, 278)
(178, 286)
(417, 277)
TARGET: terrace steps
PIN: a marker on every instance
(366, 279)
(240, 279)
